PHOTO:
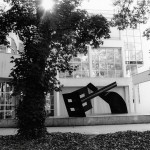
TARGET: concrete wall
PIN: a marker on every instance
(141, 77)
(5, 65)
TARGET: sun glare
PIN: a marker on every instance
(47, 4)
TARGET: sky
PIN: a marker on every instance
(97, 4)
(94, 4)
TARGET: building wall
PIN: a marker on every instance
(71, 84)
(5, 65)
(124, 87)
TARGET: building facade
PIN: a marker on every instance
(7, 102)
(116, 60)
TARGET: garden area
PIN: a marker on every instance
(127, 140)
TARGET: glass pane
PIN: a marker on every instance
(103, 66)
(85, 66)
(49, 106)
(137, 33)
(111, 73)
(69, 75)
(123, 32)
(95, 65)
(131, 39)
(119, 73)
(103, 73)
(139, 55)
(77, 74)
(84, 58)
(130, 32)
(132, 55)
(110, 55)
(102, 55)
(131, 46)
(110, 66)
(95, 73)
(76, 59)
(85, 74)
(137, 39)
(127, 55)
(7, 106)
(138, 46)
(85, 70)
(118, 57)
(125, 39)
(77, 66)
(80, 65)
(118, 66)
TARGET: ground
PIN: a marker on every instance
(127, 140)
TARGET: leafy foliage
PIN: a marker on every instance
(131, 13)
(51, 39)
(74, 141)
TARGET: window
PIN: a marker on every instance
(13, 46)
(133, 48)
(7, 102)
(49, 106)
(81, 66)
(21, 47)
(107, 62)
(3, 49)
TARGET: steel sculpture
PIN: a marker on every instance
(79, 101)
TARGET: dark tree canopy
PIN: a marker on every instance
(61, 34)
(51, 39)
(130, 13)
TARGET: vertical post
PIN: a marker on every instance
(123, 54)
(56, 100)
(128, 98)
(90, 72)
(136, 98)
(4, 100)
(56, 104)
(90, 60)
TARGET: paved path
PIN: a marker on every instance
(101, 129)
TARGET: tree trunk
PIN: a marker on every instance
(31, 110)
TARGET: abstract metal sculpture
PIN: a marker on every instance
(79, 101)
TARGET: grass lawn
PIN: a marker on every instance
(129, 140)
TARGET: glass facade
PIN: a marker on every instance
(105, 62)
(133, 50)
(81, 66)
(7, 102)
(49, 107)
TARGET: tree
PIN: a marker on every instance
(131, 13)
(51, 39)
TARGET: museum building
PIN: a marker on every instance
(115, 61)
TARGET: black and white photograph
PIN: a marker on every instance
(74, 74)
